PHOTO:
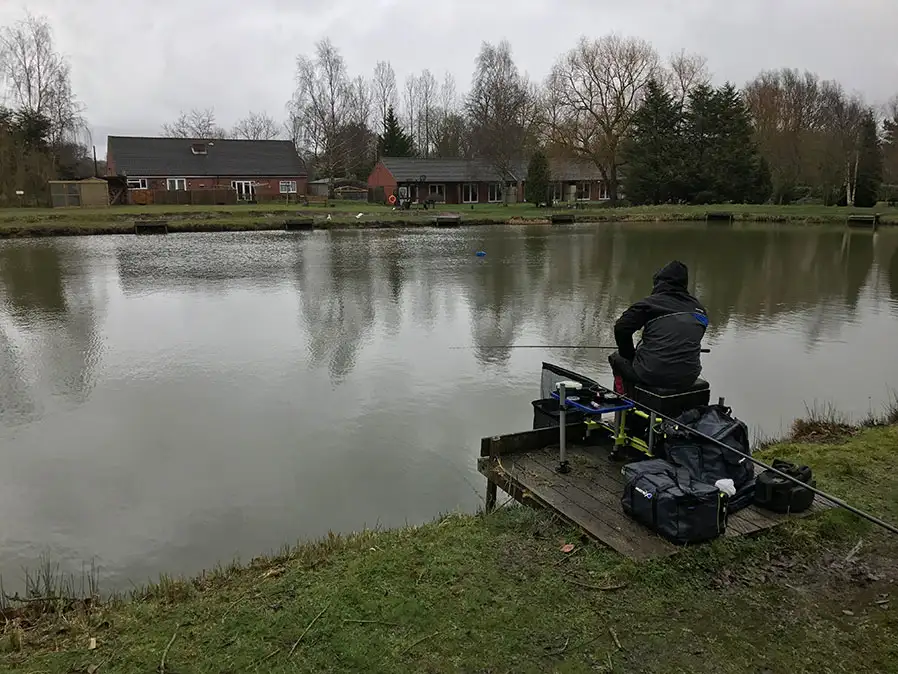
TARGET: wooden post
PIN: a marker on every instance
(491, 487)
(491, 493)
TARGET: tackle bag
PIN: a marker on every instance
(707, 461)
(776, 493)
(673, 504)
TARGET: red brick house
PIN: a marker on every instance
(475, 181)
(162, 169)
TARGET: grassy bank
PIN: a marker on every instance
(114, 220)
(496, 594)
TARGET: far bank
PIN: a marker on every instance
(26, 222)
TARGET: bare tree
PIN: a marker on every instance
(38, 78)
(410, 103)
(684, 73)
(500, 110)
(426, 114)
(257, 126)
(322, 106)
(449, 130)
(384, 91)
(593, 92)
(195, 124)
(890, 145)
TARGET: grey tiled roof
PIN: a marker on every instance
(409, 169)
(146, 157)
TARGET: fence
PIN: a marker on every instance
(209, 197)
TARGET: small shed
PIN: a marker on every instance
(88, 193)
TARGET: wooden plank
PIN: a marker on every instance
(595, 468)
(526, 441)
(599, 516)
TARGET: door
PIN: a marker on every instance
(246, 191)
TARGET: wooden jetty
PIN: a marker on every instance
(448, 220)
(151, 227)
(299, 224)
(523, 465)
(719, 216)
(562, 218)
(863, 221)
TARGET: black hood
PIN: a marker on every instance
(672, 277)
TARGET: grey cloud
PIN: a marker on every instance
(135, 65)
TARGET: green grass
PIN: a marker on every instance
(117, 219)
(494, 593)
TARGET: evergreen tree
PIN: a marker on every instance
(538, 179)
(654, 153)
(739, 169)
(869, 164)
(723, 160)
(394, 142)
(701, 121)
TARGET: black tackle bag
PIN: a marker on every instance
(776, 493)
(707, 461)
(673, 504)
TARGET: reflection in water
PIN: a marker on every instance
(47, 286)
(174, 401)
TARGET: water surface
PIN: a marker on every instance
(170, 402)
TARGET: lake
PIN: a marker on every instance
(170, 402)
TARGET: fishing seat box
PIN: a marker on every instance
(780, 495)
(546, 414)
(672, 402)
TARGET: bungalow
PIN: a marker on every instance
(471, 181)
(245, 170)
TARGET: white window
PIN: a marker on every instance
(288, 187)
(436, 192)
(176, 184)
(583, 191)
(137, 183)
(495, 192)
(469, 193)
(603, 192)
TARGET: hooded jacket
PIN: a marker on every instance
(673, 323)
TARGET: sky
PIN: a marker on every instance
(136, 65)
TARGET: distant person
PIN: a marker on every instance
(673, 323)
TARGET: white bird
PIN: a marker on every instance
(328, 216)
(359, 215)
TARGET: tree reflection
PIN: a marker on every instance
(337, 301)
(57, 303)
(747, 278)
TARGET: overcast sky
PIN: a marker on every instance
(136, 64)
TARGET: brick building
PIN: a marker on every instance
(185, 170)
(473, 181)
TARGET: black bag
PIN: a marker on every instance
(672, 503)
(780, 495)
(707, 461)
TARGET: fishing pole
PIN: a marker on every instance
(832, 499)
(544, 346)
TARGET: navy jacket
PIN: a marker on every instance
(673, 323)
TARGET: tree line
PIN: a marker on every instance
(655, 129)
(41, 122)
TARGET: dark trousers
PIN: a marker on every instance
(624, 374)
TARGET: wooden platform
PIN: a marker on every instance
(523, 465)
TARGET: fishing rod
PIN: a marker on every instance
(832, 499)
(544, 346)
